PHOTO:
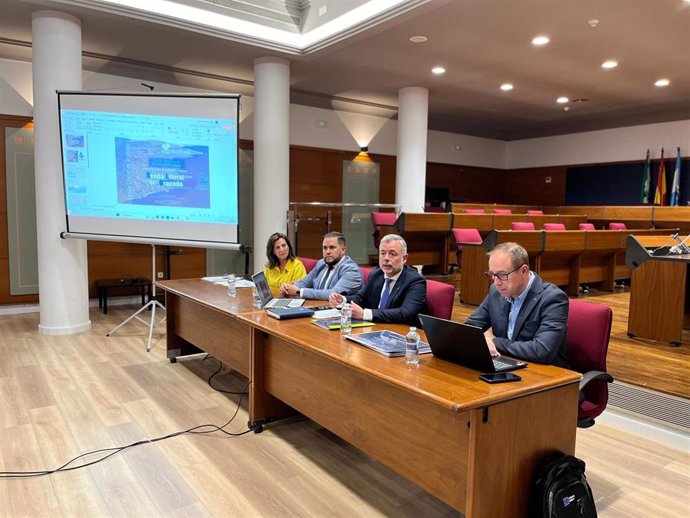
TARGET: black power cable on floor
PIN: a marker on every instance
(204, 429)
(220, 368)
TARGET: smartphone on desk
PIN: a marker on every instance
(499, 377)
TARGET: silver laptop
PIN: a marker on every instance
(464, 344)
(267, 299)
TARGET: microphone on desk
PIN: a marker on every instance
(674, 237)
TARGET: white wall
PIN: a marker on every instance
(611, 145)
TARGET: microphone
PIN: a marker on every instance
(674, 237)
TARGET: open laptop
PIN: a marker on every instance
(267, 300)
(464, 344)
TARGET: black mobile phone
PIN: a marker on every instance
(499, 377)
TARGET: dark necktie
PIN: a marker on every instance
(385, 294)
(324, 279)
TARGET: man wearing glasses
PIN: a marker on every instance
(522, 316)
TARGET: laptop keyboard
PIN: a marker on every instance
(285, 303)
(502, 364)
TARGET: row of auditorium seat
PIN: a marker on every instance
(439, 295)
(528, 225)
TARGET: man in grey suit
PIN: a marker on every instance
(335, 273)
(522, 316)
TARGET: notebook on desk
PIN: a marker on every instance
(464, 344)
(267, 299)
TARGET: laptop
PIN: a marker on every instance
(464, 344)
(267, 299)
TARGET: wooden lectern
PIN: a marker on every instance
(659, 300)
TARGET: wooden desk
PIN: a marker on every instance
(428, 237)
(462, 440)
(660, 290)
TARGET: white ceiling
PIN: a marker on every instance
(481, 43)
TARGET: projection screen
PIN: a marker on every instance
(153, 168)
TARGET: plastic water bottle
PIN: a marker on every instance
(412, 347)
(346, 319)
(232, 286)
(256, 300)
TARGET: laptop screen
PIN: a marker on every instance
(463, 344)
(262, 287)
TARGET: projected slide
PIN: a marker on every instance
(137, 168)
(161, 173)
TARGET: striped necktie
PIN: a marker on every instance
(324, 279)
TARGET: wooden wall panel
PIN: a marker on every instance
(528, 186)
(469, 183)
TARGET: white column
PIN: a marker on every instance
(271, 151)
(410, 178)
(62, 263)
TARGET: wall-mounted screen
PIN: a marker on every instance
(151, 166)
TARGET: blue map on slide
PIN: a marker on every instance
(158, 173)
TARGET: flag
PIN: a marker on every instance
(675, 189)
(646, 182)
(660, 195)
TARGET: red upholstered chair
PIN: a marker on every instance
(439, 298)
(378, 219)
(535, 212)
(554, 226)
(522, 225)
(365, 273)
(589, 330)
(586, 226)
(503, 211)
(617, 226)
(462, 236)
(475, 211)
(308, 263)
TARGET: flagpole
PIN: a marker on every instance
(675, 189)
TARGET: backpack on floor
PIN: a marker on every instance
(561, 490)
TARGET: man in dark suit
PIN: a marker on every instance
(522, 316)
(395, 292)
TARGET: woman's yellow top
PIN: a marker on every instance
(294, 271)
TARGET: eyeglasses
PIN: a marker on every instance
(500, 275)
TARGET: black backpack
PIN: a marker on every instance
(561, 490)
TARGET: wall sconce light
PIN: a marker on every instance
(363, 155)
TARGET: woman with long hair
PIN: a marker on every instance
(282, 265)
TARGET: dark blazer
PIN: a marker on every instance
(406, 301)
(540, 327)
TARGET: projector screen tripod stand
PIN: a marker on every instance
(152, 304)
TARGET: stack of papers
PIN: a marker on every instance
(223, 280)
(388, 343)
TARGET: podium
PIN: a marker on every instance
(659, 301)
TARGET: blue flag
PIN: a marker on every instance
(675, 189)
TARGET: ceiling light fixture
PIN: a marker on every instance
(540, 40)
(593, 22)
(438, 70)
(662, 82)
(562, 100)
(418, 39)
(506, 87)
(609, 64)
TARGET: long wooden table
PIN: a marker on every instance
(473, 445)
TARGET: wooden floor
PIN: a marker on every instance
(61, 396)
(654, 365)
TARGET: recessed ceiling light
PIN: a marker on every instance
(418, 39)
(593, 22)
(562, 100)
(540, 40)
(506, 87)
(566, 108)
(609, 64)
(438, 70)
(662, 82)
